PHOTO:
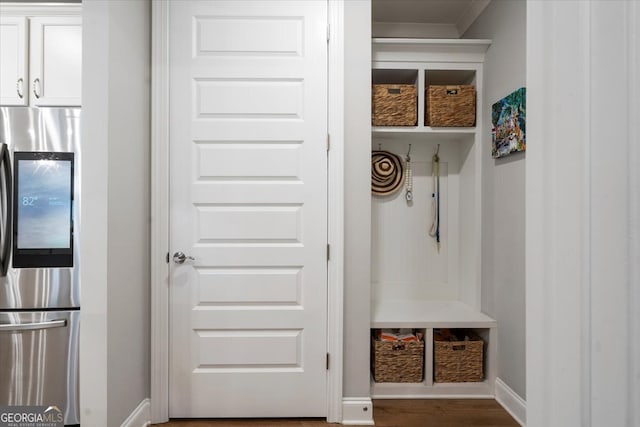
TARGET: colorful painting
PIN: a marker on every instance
(508, 117)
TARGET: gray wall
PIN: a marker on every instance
(93, 210)
(503, 192)
(357, 176)
(129, 208)
(115, 271)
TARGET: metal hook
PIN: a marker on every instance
(436, 158)
(409, 152)
(379, 146)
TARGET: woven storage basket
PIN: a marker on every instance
(397, 362)
(394, 105)
(451, 106)
(458, 361)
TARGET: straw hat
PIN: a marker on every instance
(387, 173)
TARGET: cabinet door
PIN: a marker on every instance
(14, 81)
(55, 61)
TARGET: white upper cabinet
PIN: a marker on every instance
(13, 61)
(40, 60)
(55, 61)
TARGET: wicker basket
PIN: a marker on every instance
(397, 362)
(394, 105)
(451, 106)
(457, 361)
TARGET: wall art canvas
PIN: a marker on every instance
(508, 117)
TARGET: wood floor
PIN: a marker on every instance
(393, 413)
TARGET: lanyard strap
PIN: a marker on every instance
(434, 231)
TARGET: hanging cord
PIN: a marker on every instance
(434, 231)
(408, 179)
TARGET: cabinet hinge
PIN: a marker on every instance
(327, 361)
(328, 32)
(328, 142)
(328, 252)
(167, 257)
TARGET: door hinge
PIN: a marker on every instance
(328, 142)
(167, 257)
(328, 32)
(327, 361)
(328, 252)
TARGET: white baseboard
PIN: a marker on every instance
(511, 402)
(140, 417)
(357, 411)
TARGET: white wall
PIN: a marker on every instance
(115, 328)
(357, 176)
(583, 210)
(503, 192)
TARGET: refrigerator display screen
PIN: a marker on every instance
(43, 204)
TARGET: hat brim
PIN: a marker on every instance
(387, 173)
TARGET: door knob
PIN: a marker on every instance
(180, 257)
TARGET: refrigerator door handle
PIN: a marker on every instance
(5, 161)
(17, 327)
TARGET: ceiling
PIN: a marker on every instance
(419, 11)
(458, 14)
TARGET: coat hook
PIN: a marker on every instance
(409, 152)
(379, 146)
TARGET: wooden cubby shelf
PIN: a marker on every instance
(421, 130)
(415, 283)
(427, 314)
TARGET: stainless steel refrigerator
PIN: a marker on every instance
(39, 262)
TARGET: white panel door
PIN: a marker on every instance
(55, 61)
(248, 167)
(14, 81)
